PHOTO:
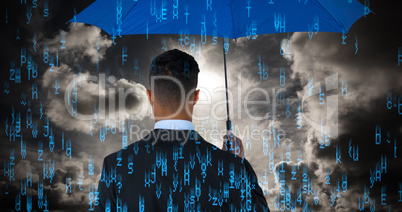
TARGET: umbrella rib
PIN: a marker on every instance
(343, 26)
(129, 11)
(231, 16)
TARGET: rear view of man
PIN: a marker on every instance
(173, 168)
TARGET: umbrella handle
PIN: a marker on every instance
(228, 127)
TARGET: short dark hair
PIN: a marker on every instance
(176, 64)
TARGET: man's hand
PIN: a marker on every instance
(236, 145)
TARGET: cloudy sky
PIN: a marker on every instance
(316, 153)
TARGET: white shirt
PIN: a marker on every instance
(174, 124)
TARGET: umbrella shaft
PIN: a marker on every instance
(228, 122)
(226, 80)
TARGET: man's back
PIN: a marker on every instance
(177, 170)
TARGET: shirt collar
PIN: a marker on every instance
(174, 124)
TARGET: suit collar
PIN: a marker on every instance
(168, 135)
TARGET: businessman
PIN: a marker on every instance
(173, 168)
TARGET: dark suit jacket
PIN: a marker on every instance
(177, 170)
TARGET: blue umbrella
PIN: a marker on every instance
(223, 18)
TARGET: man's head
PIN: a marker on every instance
(173, 78)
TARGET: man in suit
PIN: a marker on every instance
(173, 168)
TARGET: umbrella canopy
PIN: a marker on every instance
(221, 18)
